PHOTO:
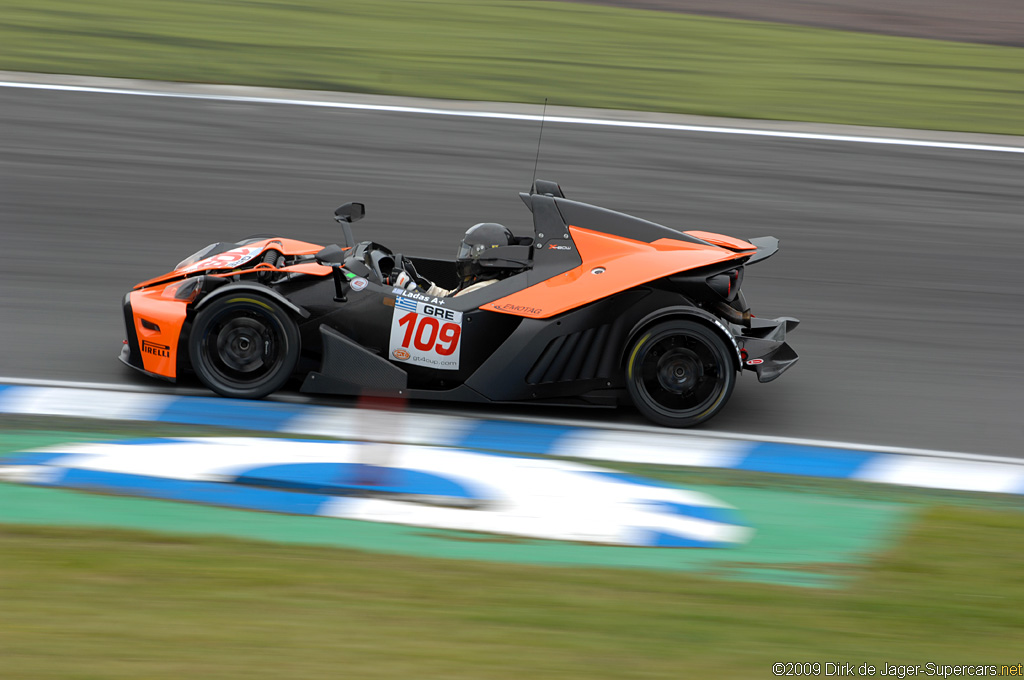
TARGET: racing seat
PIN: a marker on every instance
(444, 273)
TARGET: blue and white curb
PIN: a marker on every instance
(907, 467)
(420, 486)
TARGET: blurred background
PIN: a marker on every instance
(901, 261)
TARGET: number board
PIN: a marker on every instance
(425, 335)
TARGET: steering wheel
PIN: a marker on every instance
(378, 259)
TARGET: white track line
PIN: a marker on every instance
(566, 422)
(568, 120)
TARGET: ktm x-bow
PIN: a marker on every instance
(605, 309)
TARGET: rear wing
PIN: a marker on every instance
(766, 247)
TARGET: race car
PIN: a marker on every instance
(602, 309)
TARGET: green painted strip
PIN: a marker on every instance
(802, 539)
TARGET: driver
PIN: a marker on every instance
(476, 270)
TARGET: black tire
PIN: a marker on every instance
(680, 373)
(243, 346)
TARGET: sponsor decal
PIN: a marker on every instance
(425, 334)
(518, 308)
(156, 348)
(555, 246)
(414, 295)
(358, 283)
(755, 362)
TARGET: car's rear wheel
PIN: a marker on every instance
(244, 346)
(680, 373)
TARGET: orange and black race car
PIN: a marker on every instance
(603, 309)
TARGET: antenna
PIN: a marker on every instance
(536, 160)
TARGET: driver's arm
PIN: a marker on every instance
(406, 280)
(435, 290)
(476, 286)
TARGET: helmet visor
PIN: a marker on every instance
(470, 252)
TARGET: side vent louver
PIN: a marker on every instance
(578, 356)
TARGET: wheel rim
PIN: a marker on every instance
(680, 375)
(244, 347)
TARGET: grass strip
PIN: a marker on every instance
(524, 51)
(118, 604)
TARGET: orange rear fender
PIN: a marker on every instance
(611, 264)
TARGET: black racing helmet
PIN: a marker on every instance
(472, 258)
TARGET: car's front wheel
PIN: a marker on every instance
(680, 373)
(244, 346)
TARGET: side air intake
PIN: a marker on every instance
(578, 356)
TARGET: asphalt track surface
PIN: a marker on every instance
(903, 263)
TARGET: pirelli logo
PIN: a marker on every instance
(156, 348)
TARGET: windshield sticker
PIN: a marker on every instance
(425, 335)
(226, 260)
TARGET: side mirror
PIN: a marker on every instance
(346, 215)
(350, 212)
(331, 255)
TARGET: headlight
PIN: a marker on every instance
(187, 290)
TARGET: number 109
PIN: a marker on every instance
(424, 331)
